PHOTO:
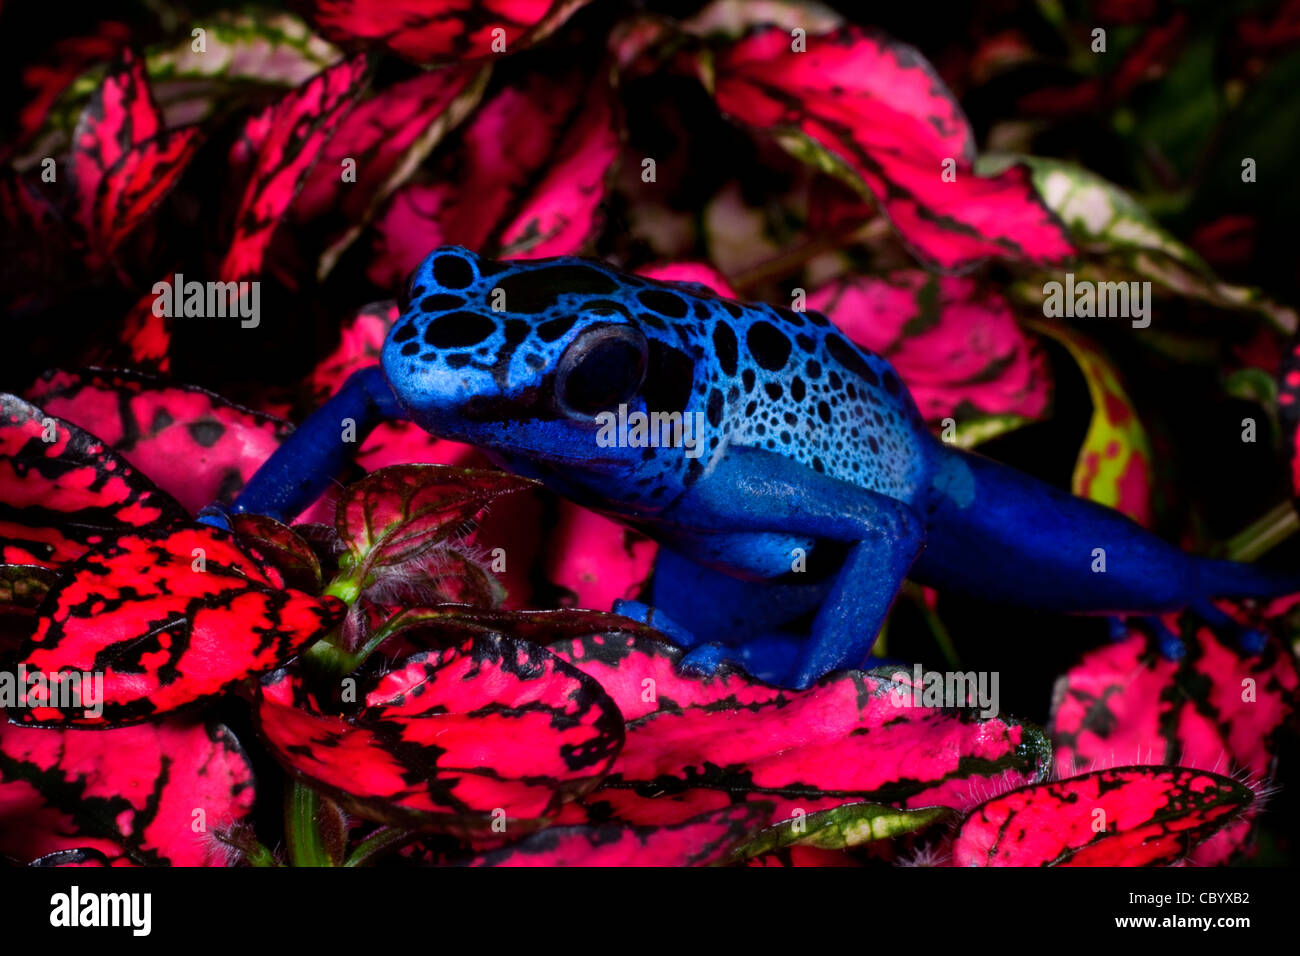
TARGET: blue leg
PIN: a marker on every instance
(316, 453)
(1065, 554)
(761, 492)
(850, 620)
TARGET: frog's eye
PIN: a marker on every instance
(602, 368)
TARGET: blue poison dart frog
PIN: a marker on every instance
(805, 489)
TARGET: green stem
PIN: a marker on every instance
(345, 587)
(244, 841)
(788, 262)
(258, 855)
(941, 636)
(339, 662)
(306, 847)
(1266, 533)
(327, 660)
(938, 629)
(378, 843)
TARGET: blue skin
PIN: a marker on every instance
(811, 446)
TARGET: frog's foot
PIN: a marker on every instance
(215, 516)
(775, 657)
(1172, 647)
(1169, 644)
(768, 657)
(701, 659)
(704, 660)
(1250, 639)
(661, 622)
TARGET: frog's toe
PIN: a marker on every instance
(215, 516)
(1170, 645)
(769, 657)
(703, 661)
(1250, 639)
(647, 614)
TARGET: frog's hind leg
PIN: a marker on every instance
(1006, 537)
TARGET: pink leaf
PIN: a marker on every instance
(434, 31)
(130, 794)
(696, 744)
(1126, 816)
(526, 179)
(453, 739)
(278, 147)
(956, 345)
(194, 444)
(875, 111)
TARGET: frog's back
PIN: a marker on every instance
(796, 386)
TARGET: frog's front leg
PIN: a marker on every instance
(757, 491)
(319, 449)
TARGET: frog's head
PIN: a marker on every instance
(521, 358)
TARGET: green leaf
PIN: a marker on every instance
(971, 432)
(23, 586)
(1264, 126)
(1256, 385)
(1114, 466)
(1184, 109)
(1122, 240)
(244, 53)
(269, 47)
(842, 827)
